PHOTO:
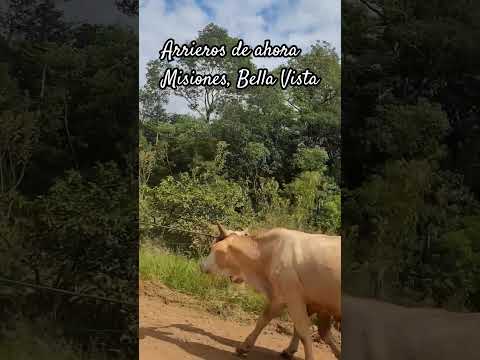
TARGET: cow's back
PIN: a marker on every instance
(315, 261)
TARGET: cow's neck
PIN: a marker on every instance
(249, 257)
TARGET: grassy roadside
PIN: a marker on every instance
(43, 339)
(184, 275)
(28, 342)
(26, 351)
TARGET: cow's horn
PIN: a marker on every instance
(223, 232)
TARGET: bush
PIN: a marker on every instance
(38, 341)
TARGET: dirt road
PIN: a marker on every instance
(173, 331)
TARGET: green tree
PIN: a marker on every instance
(207, 100)
(153, 99)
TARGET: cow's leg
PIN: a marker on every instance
(298, 312)
(271, 311)
(292, 347)
(324, 326)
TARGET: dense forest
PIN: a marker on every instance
(252, 158)
(411, 151)
(68, 182)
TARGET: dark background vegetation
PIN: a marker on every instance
(68, 182)
(259, 157)
(411, 151)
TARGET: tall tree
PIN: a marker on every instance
(206, 100)
(152, 98)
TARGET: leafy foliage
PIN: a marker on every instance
(68, 178)
(255, 158)
(410, 191)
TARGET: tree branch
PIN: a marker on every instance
(67, 130)
(373, 9)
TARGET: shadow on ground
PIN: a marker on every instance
(204, 351)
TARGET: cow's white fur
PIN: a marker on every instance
(292, 268)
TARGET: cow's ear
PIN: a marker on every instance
(223, 233)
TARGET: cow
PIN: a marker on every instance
(221, 236)
(324, 325)
(293, 269)
(376, 330)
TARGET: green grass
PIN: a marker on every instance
(37, 340)
(21, 351)
(184, 275)
(26, 344)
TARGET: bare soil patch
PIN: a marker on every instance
(174, 326)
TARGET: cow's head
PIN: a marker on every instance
(220, 261)
(224, 233)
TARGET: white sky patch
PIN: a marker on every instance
(291, 22)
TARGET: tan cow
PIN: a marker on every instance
(374, 330)
(292, 269)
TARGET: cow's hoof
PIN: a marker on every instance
(242, 350)
(287, 354)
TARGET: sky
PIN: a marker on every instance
(291, 22)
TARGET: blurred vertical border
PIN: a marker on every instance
(68, 179)
(410, 176)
